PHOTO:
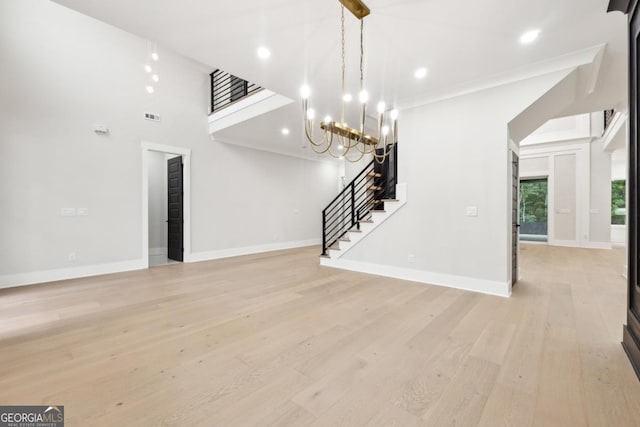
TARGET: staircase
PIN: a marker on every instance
(365, 203)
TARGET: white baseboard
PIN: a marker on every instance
(22, 279)
(248, 250)
(598, 245)
(490, 287)
(586, 245)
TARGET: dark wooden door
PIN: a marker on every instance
(515, 202)
(175, 209)
(631, 337)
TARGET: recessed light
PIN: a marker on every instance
(529, 36)
(155, 56)
(305, 92)
(155, 78)
(148, 68)
(150, 89)
(347, 97)
(263, 53)
(420, 73)
(285, 131)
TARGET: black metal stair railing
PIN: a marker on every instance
(352, 205)
(227, 88)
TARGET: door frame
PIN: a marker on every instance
(631, 331)
(146, 147)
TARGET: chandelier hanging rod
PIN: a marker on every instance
(356, 7)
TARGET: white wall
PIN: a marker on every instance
(568, 151)
(63, 72)
(455, 154)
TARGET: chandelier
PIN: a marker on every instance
(337, 138)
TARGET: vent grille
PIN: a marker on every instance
(151, 116)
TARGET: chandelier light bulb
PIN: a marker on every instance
(150, 89)
(363, 96)
(155, 56)
(327, 119)
(305, 92)
(385, 130)
(347, 97)
(340, 147)
(311, 114)
(381, 107)
(394, 114)
(155, 78)
(148, 68)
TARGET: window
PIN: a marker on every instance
(533, 210)
(618, 201)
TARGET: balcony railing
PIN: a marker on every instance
(227, 89)
(608, 117)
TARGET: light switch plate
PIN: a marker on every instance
(472, 211)
(68, 212)
(83, 211)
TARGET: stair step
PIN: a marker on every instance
(374, 175)
(324, 256)
(365, 221)
(344, 239)
(390, 200)
(355, 230)
(374, 188)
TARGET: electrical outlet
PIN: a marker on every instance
(472, 211)
(83, 211)
(72, 256)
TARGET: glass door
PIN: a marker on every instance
(533, 210)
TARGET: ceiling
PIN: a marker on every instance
(464, 44)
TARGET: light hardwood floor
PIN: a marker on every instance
(274, 339)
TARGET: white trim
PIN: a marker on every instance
(533, 242)
(31, 278)
(566, 243)
(377, 218)
(186, 182)
(248, 250)
(490, 287)
(617, 123)
(597, 245)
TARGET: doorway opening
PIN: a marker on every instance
(165, 204)
(533, 212)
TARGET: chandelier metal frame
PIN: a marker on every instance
(347, 139)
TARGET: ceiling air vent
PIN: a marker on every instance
(151, 116)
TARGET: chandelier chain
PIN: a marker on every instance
(361, 54)
(343, 68)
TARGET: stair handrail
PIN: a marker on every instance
(351, 204)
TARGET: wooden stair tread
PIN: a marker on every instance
(374, 175)
(374, 188)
